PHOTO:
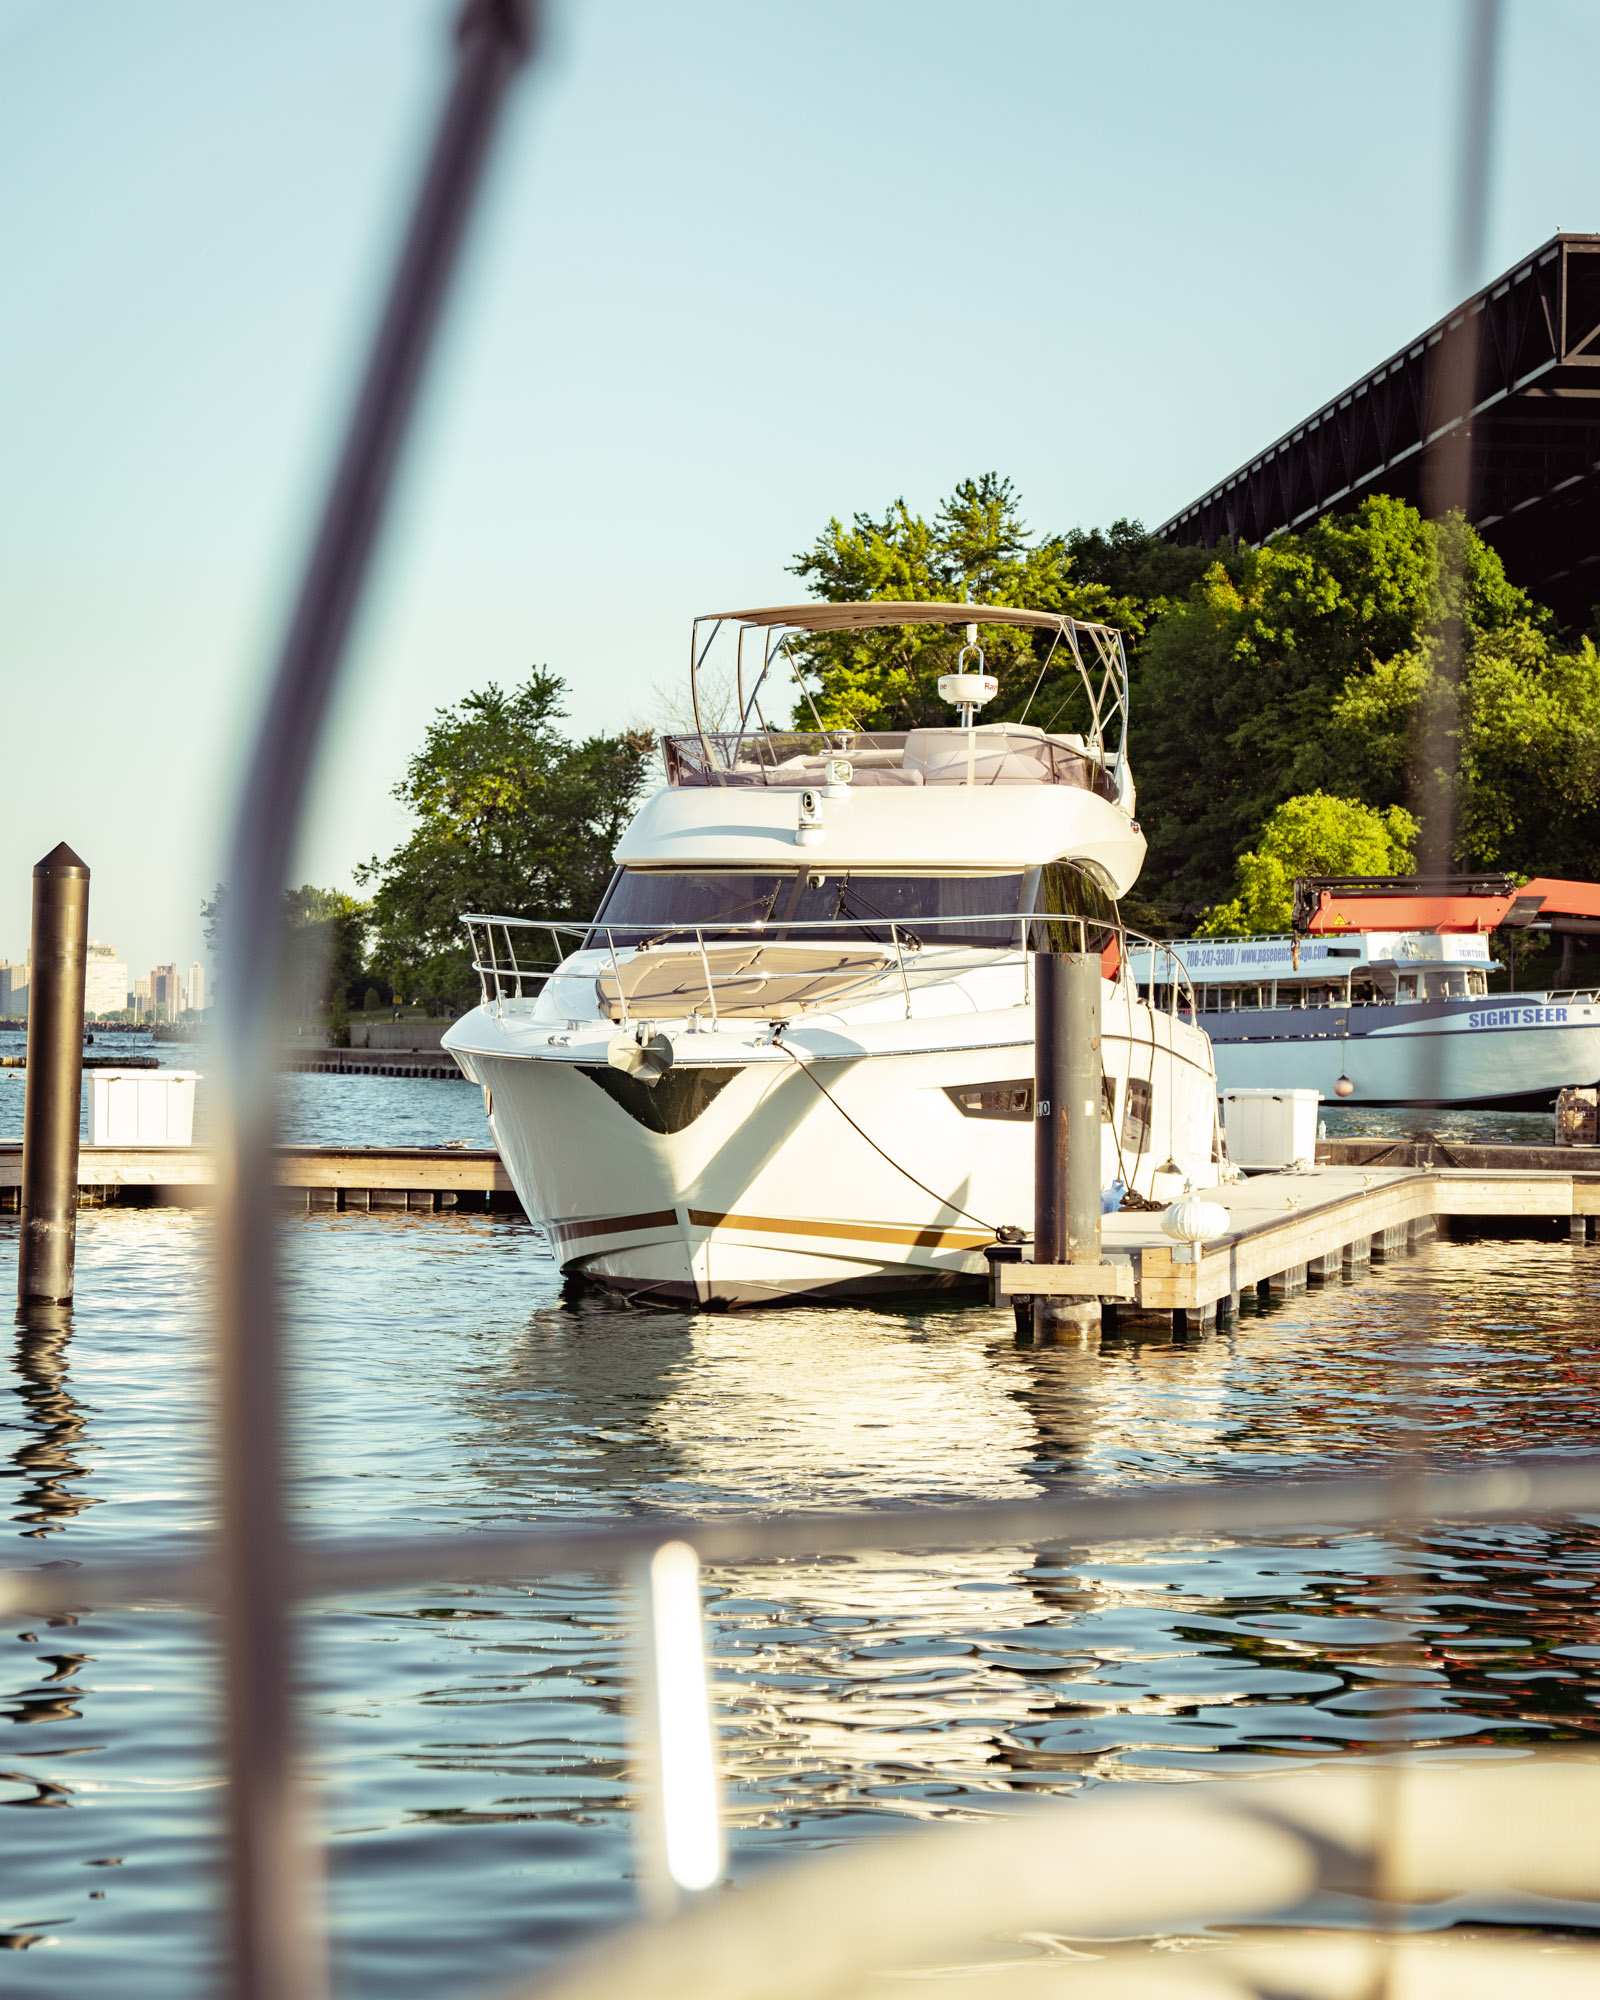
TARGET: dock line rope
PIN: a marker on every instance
(943, 1200)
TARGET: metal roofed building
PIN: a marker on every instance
(1532, 421)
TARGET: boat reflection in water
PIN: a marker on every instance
(879, 1681)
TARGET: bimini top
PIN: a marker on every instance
(890, 611)
(748, 749)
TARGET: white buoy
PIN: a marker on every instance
(1191, 1222)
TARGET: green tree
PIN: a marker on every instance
(1313, 664)
(325, 954)
(327, 948)
(1299, 665)
(511, 817)
(976, 550)
(1141, 568)
(1310, 835)
(1525, 726)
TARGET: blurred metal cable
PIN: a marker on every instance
(1503, 1489)
(275, 1947)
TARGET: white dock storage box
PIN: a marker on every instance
(141, 1107)
(1270, 1128)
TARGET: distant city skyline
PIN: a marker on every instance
(1180, 230)
(162, 994)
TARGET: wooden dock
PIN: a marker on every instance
(1288, 1230)
(425, 1178)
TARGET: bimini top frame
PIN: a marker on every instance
(1096, 651)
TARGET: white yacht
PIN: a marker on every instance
(792, 1053)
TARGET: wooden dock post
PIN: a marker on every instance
(1066, 1151)
(54, 1099)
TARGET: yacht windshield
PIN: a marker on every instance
(661, 901)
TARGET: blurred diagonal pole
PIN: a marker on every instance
(275, 1943)
(1447, 489)
(1447, 470)
(1475, 138)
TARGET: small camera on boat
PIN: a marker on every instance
(810, 831)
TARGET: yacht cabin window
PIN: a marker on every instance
(1136, 1115)
(644, 902)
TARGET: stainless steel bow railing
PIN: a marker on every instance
(505, 977)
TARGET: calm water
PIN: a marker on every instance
(317, 1110)
(472, 1741)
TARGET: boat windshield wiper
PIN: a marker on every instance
(867, 912)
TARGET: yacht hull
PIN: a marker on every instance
(791, 1174)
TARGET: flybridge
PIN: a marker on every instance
(1093, 756)
(992, 754)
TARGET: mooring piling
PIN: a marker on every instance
(1066, 1155)
(53, 1103)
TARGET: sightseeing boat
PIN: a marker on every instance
(1366, 1012)
(792, 1053)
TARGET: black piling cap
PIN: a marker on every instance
(61, 861)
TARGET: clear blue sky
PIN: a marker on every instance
(742, 267)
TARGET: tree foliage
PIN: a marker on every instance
(977, 549)
(510, 817)
(1376, 658)
(1310, 835)
(325, 956)
(1320, 661)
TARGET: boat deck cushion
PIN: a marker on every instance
(749, 980)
